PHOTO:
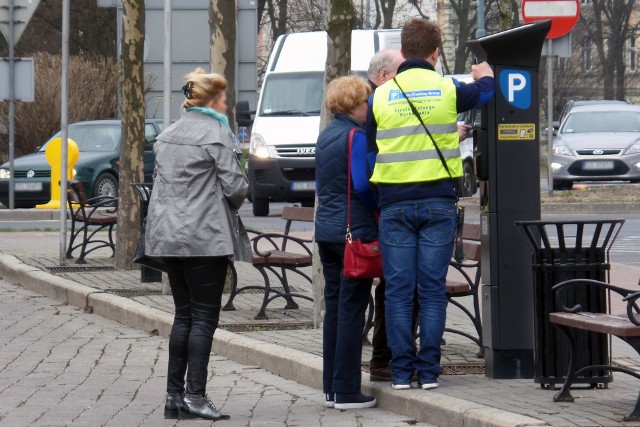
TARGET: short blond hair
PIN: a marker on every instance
(346, 93)
(201, 88)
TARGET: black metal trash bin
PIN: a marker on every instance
(564, 250)
(147, 274)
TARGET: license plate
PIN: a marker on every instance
(28, 186)
(602, 165)
(303, 186)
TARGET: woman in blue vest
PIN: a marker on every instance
(346, 299)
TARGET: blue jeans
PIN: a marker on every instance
(416, 240)
(346, 301)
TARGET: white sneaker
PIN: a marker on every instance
(429, 386)
(329, 400)
(401, 386)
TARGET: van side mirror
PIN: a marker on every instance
(556, 125)
(243, 114)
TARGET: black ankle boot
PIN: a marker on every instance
(199, 406)
(172, 405)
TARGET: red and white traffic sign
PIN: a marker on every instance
(563, 14)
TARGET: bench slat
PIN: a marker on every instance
(618, 325)
(455, 288)
(295, 213)
(282, 258)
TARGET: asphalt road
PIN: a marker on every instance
(626, 249)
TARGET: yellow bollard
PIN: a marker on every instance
(53, 155)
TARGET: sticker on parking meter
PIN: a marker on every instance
(515, 86)
(517, 132)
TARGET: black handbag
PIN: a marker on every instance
(141, 258)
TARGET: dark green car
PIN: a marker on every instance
(97, 167)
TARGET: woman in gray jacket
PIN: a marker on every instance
(193, 225)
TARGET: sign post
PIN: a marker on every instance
(13, 20)
(564, 15)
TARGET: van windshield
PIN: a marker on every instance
(292, 94)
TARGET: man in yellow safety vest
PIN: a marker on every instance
(412, 132)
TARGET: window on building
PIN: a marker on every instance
(587, 55)
(632, 56)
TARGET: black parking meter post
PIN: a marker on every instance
(508, 167)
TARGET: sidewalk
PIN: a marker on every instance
(287, 345)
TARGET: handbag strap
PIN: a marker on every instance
(415, 113)
(349, 146)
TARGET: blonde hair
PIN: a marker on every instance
(346, 93)
(200, 88)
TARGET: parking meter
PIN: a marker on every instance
(508, 168)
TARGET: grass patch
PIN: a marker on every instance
(585, 193)
(10, 230)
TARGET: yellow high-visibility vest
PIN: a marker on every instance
(406, 154)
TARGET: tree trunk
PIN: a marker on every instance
(340, 21)
(132, 142)
(387, 12)
(462, 10)
(222, 27)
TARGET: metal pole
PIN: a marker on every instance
(64, 125)
(166, 116)
(12, 105)
(550, 114)
(481, 31)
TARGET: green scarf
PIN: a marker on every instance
(211, 113)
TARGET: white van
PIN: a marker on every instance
(281, 164)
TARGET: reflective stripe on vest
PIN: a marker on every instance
(406, 154)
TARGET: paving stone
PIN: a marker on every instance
(116, 376)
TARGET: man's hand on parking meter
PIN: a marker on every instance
(462, 131)
(481, 70)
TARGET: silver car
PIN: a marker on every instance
(597, 142)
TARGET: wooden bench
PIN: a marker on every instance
(469, 268)
(625, 327)
(279, 260)
(88, 217)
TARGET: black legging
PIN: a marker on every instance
(196, 284)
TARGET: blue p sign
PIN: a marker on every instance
(515, 86)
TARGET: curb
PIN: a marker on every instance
(288, 363)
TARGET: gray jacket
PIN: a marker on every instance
(198, 188)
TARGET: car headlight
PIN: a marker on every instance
(5, 174)
(561, 149)
(257, 146)
(634, 149)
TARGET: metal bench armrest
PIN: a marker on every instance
(285, 237)
(632, 305)
(558, 288)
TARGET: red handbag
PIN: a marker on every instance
(361, 260)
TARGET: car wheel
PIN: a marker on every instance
(106, 185)
(469, 185)
(260, 206)
(562, 185)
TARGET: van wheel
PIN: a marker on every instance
(260, 206)
(562, 185)
(469, 185)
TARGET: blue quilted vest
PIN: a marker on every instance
(331, 187)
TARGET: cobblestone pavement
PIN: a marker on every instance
(59, 366)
